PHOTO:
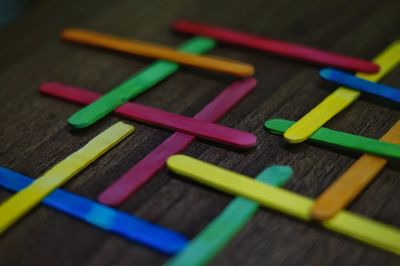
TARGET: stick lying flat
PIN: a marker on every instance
(281, 48)
(157, 51)
(128, 226)
(340, 98)
(338, 195)
(360, 84)
(341, 139)
(22, 202)
(141, 172)
(356, 226)
(211, 240)
(135, 85)
(154, 116)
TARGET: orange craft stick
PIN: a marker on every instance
(352, 182)
(151, 50)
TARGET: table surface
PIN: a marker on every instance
(35, 135)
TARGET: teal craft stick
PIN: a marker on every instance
(136, 85)
(205, 246)
(340, 139)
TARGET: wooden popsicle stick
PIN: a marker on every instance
(140, 173)
(352, 182)
(341, 139)
(342, 97)
(151, 50)
(362, 85)
(153, 116)
(129, 226)
(220, 231)
(277, 47)
(136, 84)
(369, 231)
(21, 203)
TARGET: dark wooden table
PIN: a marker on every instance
(35, 135)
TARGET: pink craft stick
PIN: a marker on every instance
(141, 173)
(290, 50)
(153, 116)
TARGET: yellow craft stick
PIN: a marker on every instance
(352, 182)
(22, 202)
(157, 51)
(356, 226)
(341, 98)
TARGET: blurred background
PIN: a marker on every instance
(12, 9)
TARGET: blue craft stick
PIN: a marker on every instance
(104, 217)
(348, 80)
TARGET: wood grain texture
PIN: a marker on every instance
(34, 133)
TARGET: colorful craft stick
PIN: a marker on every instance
(156, 51)
(154, 116)
(22, 202)
(142, 171)
(340, 139)
(277, 47)
(206, 245)
(360, 84)
(372, 232)
(340, 98)
(123, 224)
(136, 85)
(338, 195)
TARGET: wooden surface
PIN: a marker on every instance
(34, 133)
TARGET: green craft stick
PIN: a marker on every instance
(135, 85)
(205, 246)
(340, 139)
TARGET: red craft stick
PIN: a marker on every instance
(140, 173)
(153, 116)
(276, 47)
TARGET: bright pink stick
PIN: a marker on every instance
(276, 47)
(153, 116)
(140, 173)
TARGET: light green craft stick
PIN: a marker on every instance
(205, 246)
(340, 139)
(135, 85)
